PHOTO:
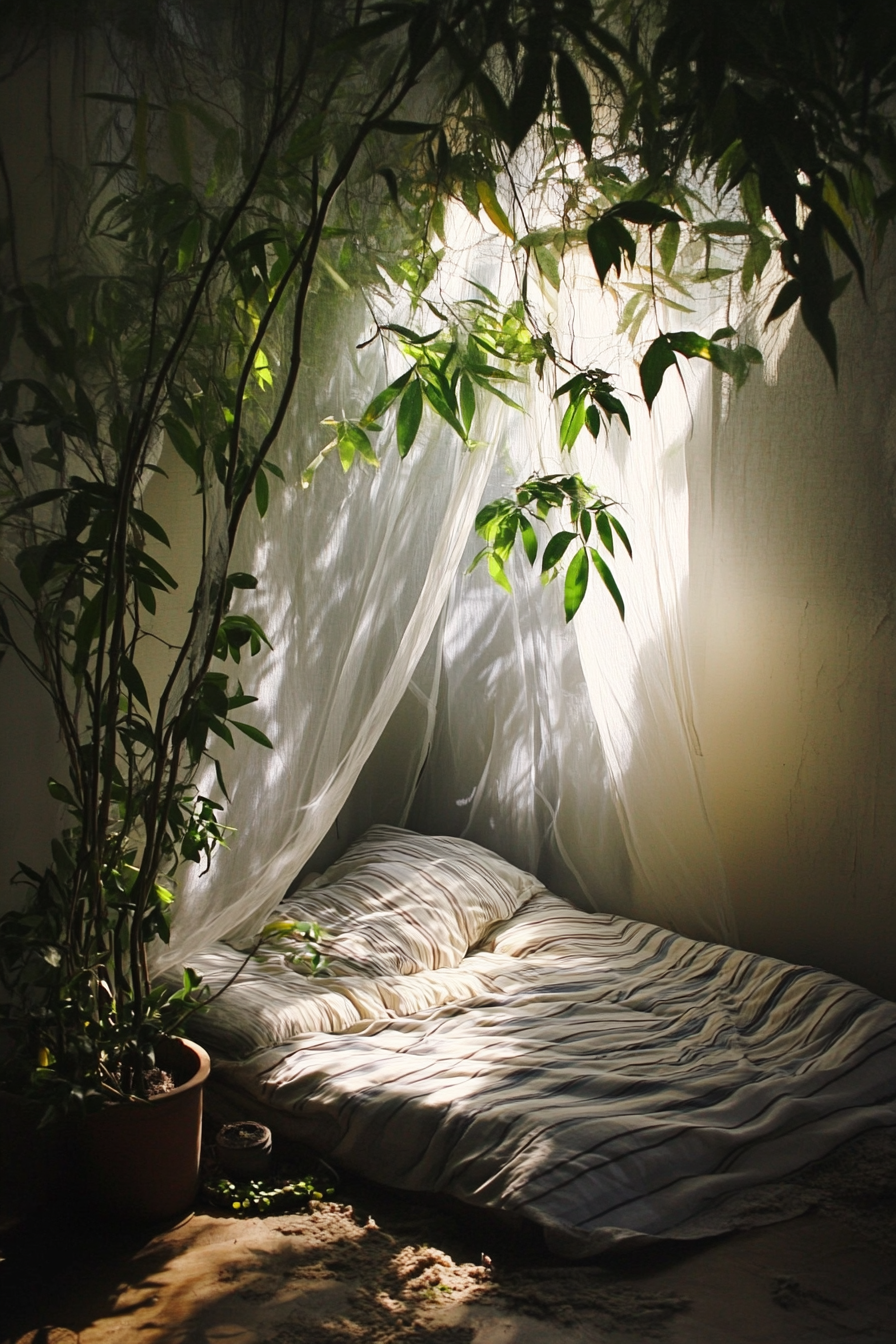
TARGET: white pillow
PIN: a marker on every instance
(399, 903)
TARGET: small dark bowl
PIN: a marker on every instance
(244, 1150)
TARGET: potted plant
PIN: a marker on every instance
(213, 218)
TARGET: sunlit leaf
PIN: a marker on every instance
(493, 208)
(383, 400)
(556, 549)
(467, 401)
(530, 541)
(407, 422)
(575, 584)
(605, 573)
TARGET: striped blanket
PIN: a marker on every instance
(605, 1078)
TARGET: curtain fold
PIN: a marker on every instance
(353, 575)
(574, 750)
(571, 750)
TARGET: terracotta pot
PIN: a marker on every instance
(33, 1161)
(140, 1160)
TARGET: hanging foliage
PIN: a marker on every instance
(250, 158)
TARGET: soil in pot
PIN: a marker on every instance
(244, 1149)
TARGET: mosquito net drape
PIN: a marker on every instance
(571, 750)
(574, 749)
(352, 577)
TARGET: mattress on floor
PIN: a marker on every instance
(480, 1037)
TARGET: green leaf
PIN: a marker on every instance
(547, 265)
(183, 442)
(397, 127)
(147, 597)
(644, 212)
(467, 401)
(262, 494)
(575, 102)
(149, 524)
(690, 344)
(60, 793)
(530, 541)
(620, 532)
(255, 734)
(572, 422)
(409, 414)
(494, 106)
(660, 357)
(411, 336)
(576, 583)
(220, 729)
(556, 549)
(239, 579)
(188, 243)
(383, 400)
(133, 682)
(611, 405)
(496, 570)
(440, 405)
(391, 182)
(493, 208)
(610, 583)
(529, 96)
(494, 391)
(179, 143)
(32, 502)
(604, 530)
(608, 241)
(667, 247)
(355, 37)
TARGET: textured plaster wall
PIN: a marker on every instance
(39, 119)
(793, 604)
(792, 597)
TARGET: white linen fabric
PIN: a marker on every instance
(573, 753)
(601, 1076)
(353, 575)
(575, 750)
(401, 903)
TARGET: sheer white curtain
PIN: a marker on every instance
(353, 574)
(574, 750)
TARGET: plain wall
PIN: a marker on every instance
(793, 571)
(792, 603)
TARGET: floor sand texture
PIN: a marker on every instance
(387, 1268)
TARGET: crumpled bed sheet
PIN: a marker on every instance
(605, 1078)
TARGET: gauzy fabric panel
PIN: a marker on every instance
(603, 1077)
(353, 574)
(574, 749)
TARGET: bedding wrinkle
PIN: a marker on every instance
(605, 1078)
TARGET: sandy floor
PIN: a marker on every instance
(396, 1269)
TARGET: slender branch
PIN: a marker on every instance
(13, 242)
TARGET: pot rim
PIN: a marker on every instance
(198, 1078)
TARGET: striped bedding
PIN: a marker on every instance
(605, 1078)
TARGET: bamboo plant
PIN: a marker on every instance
(247, 161)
